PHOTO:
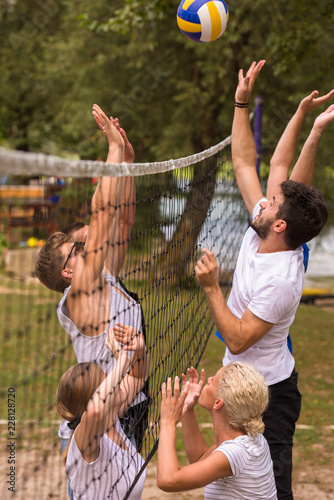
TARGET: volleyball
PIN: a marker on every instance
(202, 20)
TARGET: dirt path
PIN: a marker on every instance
(42, 479)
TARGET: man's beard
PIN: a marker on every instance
(262, 228)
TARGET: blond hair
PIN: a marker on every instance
(245, 395)
(75, 388)
(50, 261)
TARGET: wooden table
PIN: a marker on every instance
(26, 212)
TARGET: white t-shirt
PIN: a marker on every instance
(270, 285)
(110, 476)
(252, 469)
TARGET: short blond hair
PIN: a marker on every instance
(50, 261)
(245, 395)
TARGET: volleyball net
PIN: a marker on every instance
(181, 207)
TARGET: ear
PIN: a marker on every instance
(219, 403)
(67, 273)
(279, 225)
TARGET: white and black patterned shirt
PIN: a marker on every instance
(252, 469)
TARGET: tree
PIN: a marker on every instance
(173, 96)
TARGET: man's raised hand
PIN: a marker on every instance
(207, 270)
(108, 127)
(312, 101)
(246, 84)
(129, 154)
(325, 119)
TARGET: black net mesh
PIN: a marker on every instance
(177, 214)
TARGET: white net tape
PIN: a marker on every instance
(23, 163)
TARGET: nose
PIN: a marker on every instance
(264, 204)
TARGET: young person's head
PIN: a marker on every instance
(75, 388)
(56, 260)
(304, 210)
(50, 262)
(241, 392)
(299, 212)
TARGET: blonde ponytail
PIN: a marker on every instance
(245, 395)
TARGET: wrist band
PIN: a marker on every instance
(241, 104)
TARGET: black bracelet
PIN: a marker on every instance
(241, 104)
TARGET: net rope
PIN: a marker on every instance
(182, 206)
(19, 162)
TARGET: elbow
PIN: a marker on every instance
(277, 165)
(102, 213)
(160, 483)
(236, 348)
(94, 411)
(165, 484)
(244, 160)
(126, 224)
(236, 164)
(273, 163)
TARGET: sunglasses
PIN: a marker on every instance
(77, 247)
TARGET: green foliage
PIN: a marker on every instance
(136, 14)
(173, 96)
(75, 201)
(3, 243)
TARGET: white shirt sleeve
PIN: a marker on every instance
(273, 299)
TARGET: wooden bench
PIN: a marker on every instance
(310, 295)
(25, 206)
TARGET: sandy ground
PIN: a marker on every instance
(38, 479)
(308, 485)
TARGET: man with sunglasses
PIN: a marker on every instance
(84, 265)
(77, 247)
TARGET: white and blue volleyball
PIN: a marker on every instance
(202, 20)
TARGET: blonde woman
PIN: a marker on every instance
(100, 460)
(238, 465)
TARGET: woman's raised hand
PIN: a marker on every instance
(173, 406)
(195, 386)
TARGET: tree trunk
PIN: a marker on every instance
(173, 264)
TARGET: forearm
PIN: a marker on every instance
(101, 228)
(304, 168)
(128, 204)
(193, 440)
(100, 409)
(108, 195)
(284, 154)
(243, 145)
(286, 147)
(110, 190)
(126, 220)
(244, 159)
(230, 328)
(168, 464)
(104, 397)
(104, 229)
(139, 365)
